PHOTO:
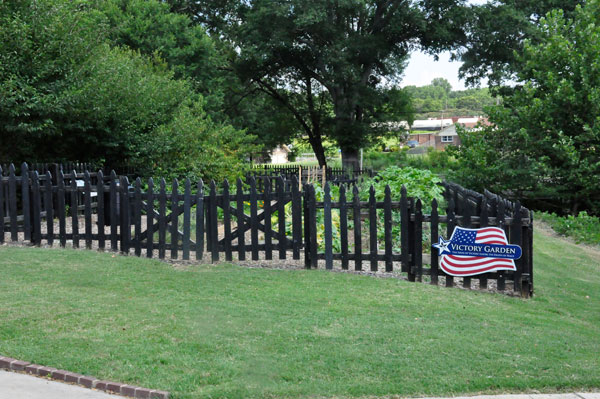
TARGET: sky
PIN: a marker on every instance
(422, 69)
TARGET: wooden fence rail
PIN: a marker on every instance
(362, 231)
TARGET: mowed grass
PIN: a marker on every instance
(232, 332)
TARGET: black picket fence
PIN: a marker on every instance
(186, 221)
(308, 174)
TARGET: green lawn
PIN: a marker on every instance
(231, 332)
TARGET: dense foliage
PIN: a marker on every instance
(438, 97)
(583, 227)
(67, 92)
(546, 140)
(326, 62)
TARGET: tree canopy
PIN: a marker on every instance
(546, 138)
(307, 55)
(70, 89)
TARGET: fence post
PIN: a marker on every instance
(412, 240)
(241, 222)
(125, 216)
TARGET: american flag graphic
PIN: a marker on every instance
(456, 265)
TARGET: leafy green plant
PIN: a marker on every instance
(583, 227)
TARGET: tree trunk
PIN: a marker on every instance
(350, 159)
(317, 146)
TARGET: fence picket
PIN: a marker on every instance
(467, 223)
(150, 219)
(307, 233)
(253, 218)
(62, 219)
(434, 239)
(357, 229)
(100, 210)
(483, 222)
(87, 209)
(501, 281)
(404, 215)
(312, 208)
(48, 207)
(174, 218)
(450, 225)
(36, 233)
(281, 218)
(267, 213)
(327, 227)
(162, 219)
(515, 238)
(227, 220)
(213, 231)
(387, 228)
(373, 229)
(12, 203)
(418, 253)
(137, 217)
(113, 211)
(1, 206)
(187, 205)
(241, 233)
(344, 227)
(74, 211)
(200, 220)
(296, 218)
(25, 187)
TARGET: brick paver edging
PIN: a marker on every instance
(86, 381)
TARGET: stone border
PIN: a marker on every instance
(8, 363)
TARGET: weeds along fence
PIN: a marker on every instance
(335, 227)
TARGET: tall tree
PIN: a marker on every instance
(343, 51)
(496, 32)
(546, 139)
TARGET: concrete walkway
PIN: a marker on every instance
(578, 395)
(25, 386)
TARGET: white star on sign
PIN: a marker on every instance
(442, 246)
